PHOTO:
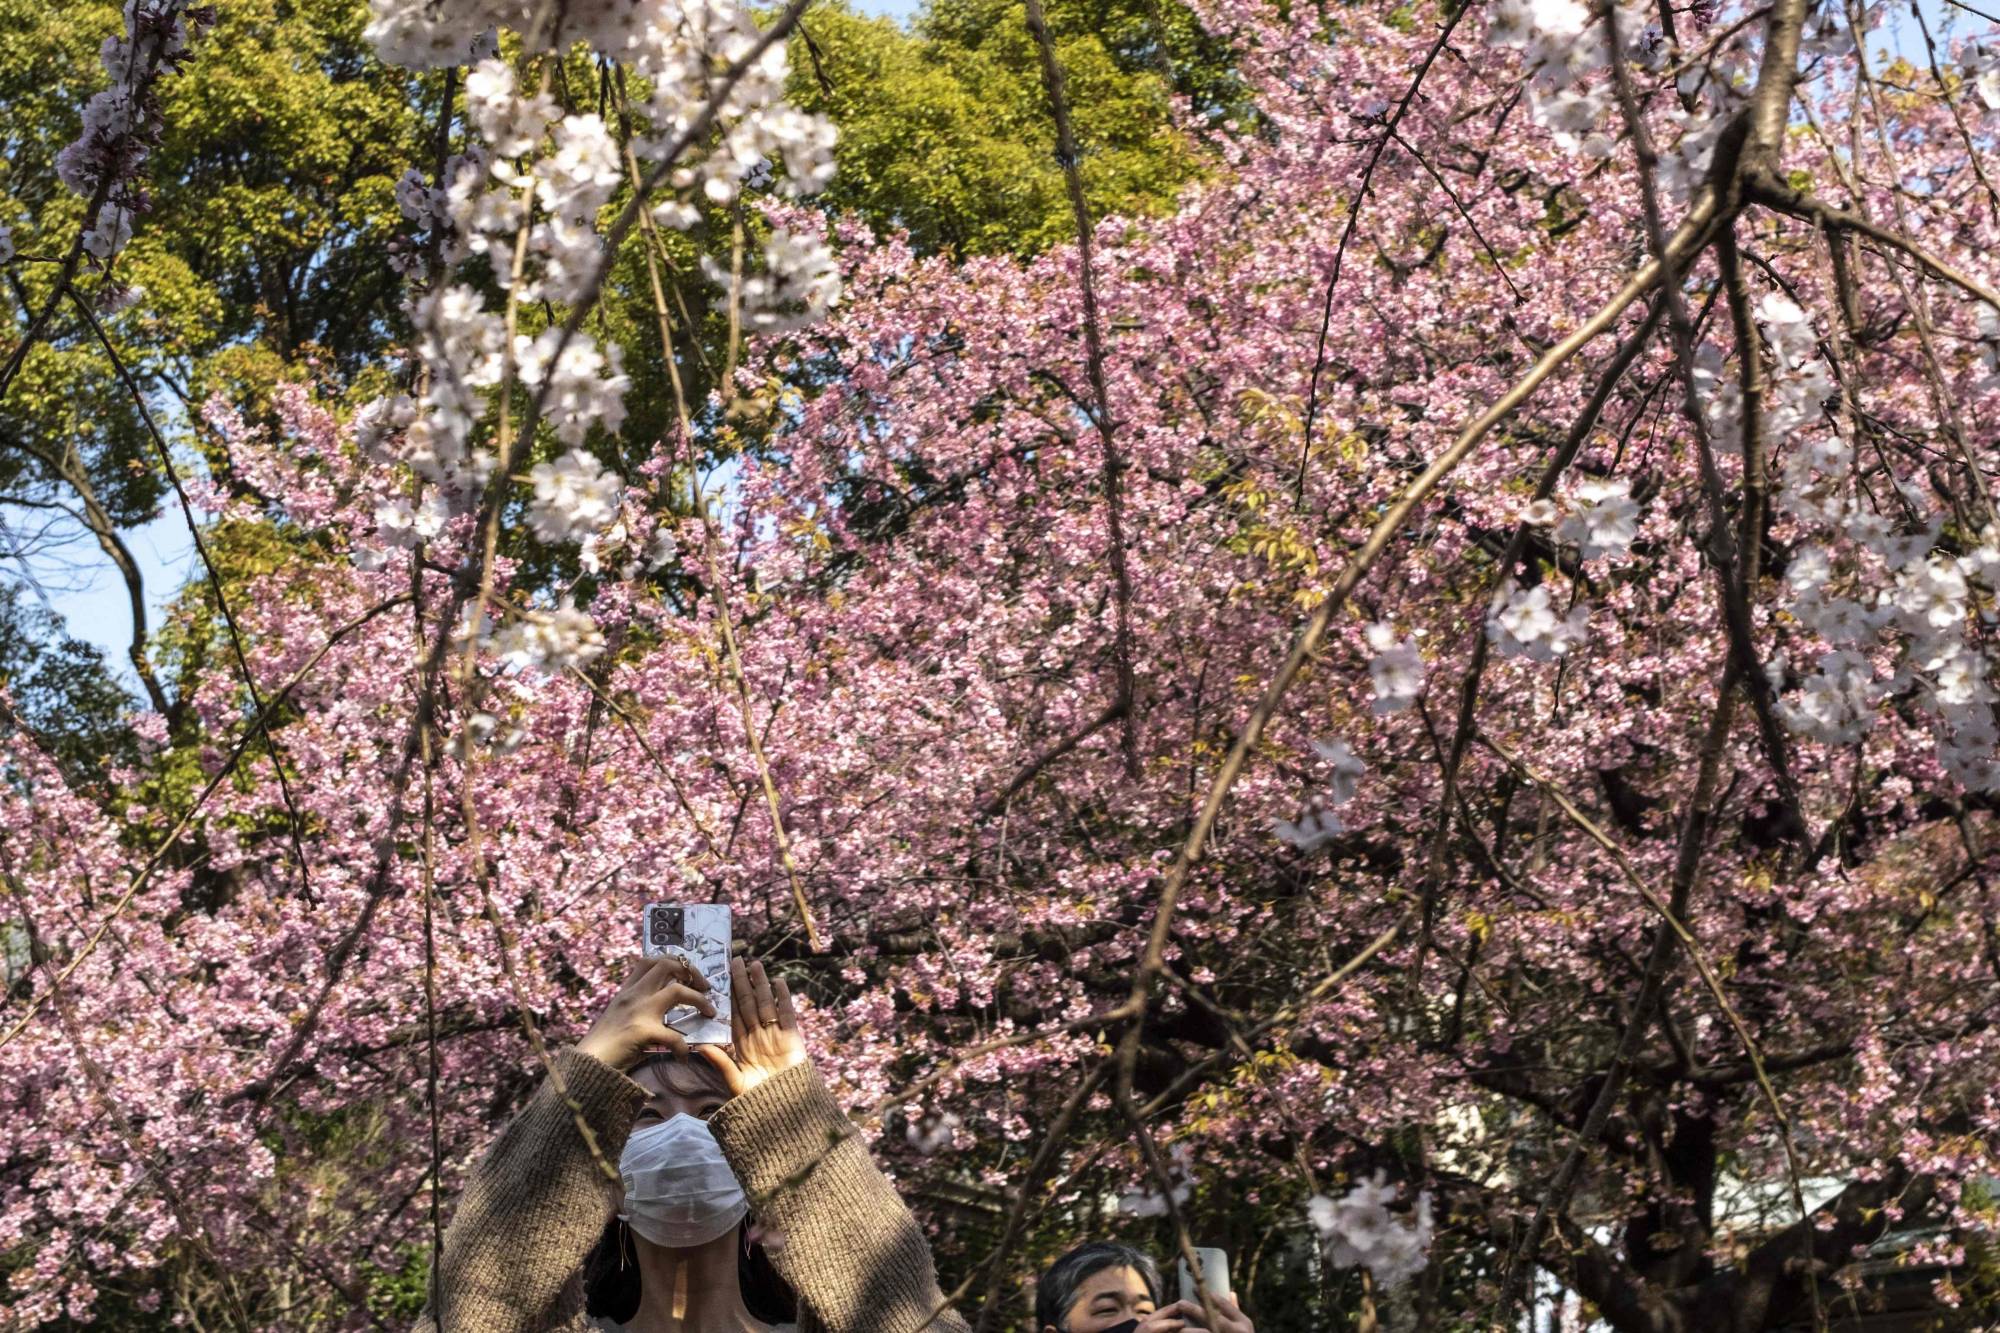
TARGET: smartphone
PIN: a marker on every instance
(698, 932)
(1214, 1275)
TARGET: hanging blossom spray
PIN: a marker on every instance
(106, 162)
(711, 125)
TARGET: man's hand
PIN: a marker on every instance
(635, 1020)
(765, 1027)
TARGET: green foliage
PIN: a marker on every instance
(274, 199)
(272, 209)
(945, 128)
(61, 690)
(399, 1296)
(267, 254)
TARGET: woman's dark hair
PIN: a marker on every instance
(611, 1280)
(1056, 1290)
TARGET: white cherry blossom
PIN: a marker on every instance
(1809, 569)
(549, 641)
(1523, 623)
(1989, 326)
(1319, 825)
(1346, 765)
(1358, 1231)
(1311, 831)
(1605, 520)
(1396, 670)
(1835, 704)
(1838, 620)
(509, 123)
(575, 497)
(799, 285)
(1929, 596)
(1965, 745)
(1146, 1202)
(932, 1134)
(1979, 61)
(1958, 675)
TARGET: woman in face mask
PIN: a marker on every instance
(683, 1234)
(677, 1153)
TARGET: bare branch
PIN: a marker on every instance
(1113, 466)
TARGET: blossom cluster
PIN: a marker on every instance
(1563, 43)
(1321, 824)
(526, 199)
(121, 124)
(1881, 607)
(1524, 622)
(1358, 1231)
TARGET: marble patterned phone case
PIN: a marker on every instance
(698, 932)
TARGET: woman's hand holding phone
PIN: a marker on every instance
(765, 1028)
(635, 1020)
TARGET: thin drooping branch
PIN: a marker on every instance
(427, 869)
(69, 469)
(1029, 771)
(636, 209)
(1469, 685)
(1671, 919)
(187, 1219)
(1764, 126)
(1285, 1013)
(1112, 464)
(1773, 193)
(140, 87)
(296, 825)
(746, 709)
(481, 869)
(1735, 555)
(1951, 104)
(1499, 268)
(1695, 819)
(646, 747)
(1916, 300)
(1354, 203)
(1168, 1187)
(1028, 1193)
(380, 874)
(39, 324)
(653, 250)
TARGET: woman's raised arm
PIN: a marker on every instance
(537, 1202)
(851, 1250)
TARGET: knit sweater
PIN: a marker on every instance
(537, 1203)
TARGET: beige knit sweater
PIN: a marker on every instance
(538, 1202)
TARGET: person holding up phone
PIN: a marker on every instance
(701, 1140)
(1105, 1287)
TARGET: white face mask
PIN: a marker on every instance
(679, 1190)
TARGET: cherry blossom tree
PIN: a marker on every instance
(1428, 717)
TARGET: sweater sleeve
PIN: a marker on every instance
(534, 1206)
(851, 1251)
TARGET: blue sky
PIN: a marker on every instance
(81, 585)
(86, 591)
